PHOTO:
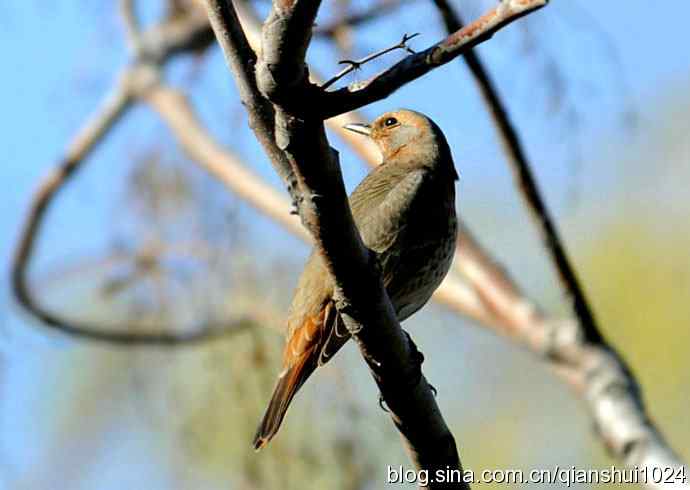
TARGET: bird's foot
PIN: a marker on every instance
(382, 403)
(418, 358)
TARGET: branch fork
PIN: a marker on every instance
(357, 64)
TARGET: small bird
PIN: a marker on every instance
(405, 212)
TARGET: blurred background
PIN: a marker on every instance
(600, 94)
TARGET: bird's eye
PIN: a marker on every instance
(391, 121)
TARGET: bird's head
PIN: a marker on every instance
(393, 132)
(406, 136)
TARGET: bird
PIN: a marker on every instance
(404, 210)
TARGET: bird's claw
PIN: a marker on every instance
(382, 403)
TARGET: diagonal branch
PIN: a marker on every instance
(493, 300)
(174, 108)
(151, 48)
(114, 107)
(526, 182)
(360, 296)
(357, 64)
(416, 65)
(241, 60)
(577, 350)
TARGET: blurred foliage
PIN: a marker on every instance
(639, 282)
(637, 267)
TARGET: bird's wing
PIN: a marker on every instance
(380, 214)
(385, 228)
(381, 219)
(313, 322)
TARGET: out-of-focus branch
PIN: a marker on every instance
(416, 65)
(113, 108)
(180, 35)
(526, 182)
(360, 296)
(576, 349)
(369, 14)
(594, 372)
(150, 48)
(241, 60)
(173, 107)
(131, 23)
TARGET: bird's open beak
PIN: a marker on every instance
(364, 129)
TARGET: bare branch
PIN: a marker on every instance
(173, 107)
(131, 23)
(241, 60)
(114, 107)
(360, 296)
(252, 28)
(414, 66)
(576, 350)
(357, 64)
(285, 37)
(135, 81)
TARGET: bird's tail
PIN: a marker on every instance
(288, 384)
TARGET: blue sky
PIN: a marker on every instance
(59, 59)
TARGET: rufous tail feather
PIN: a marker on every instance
(288, 384)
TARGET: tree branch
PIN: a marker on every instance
(357, 64)
(241, 60)
(526, 182)
(360, 296)
(493, 299)
(416, 65)
(135, 81)
(174, 108)
(576, 350)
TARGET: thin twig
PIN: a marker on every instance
(132, 27)
(357, 64)
(416, 65)
(241, 60)
(360, 296)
